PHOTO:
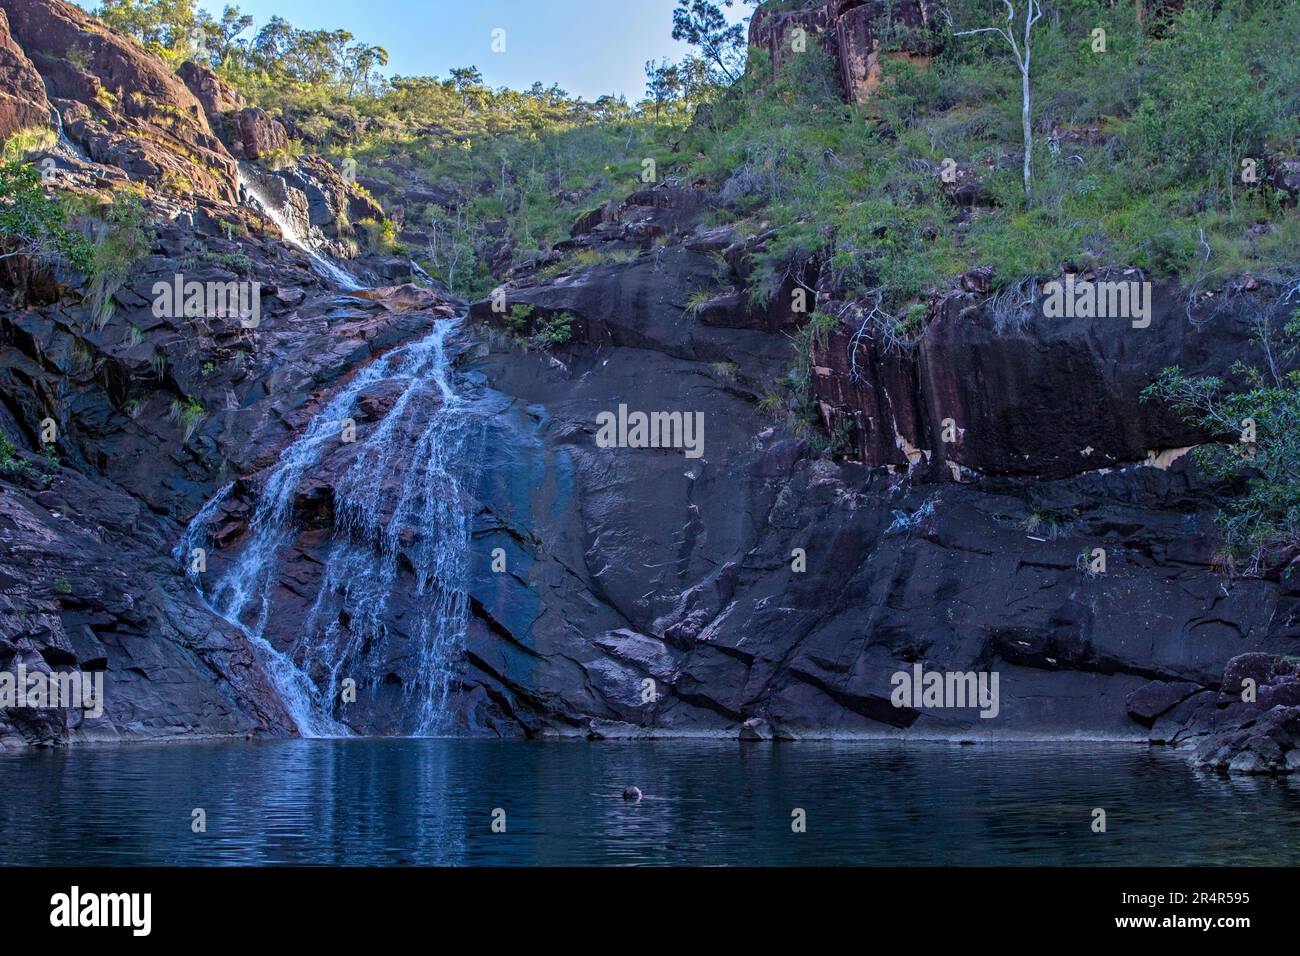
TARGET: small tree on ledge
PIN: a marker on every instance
(1021, 52)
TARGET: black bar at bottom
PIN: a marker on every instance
(331, 906)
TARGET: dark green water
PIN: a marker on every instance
(364, 802)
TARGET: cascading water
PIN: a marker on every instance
(296, 238)
(63, 143)
(400, 501)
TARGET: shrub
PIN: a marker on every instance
(1261, 524)
(34, 223)
(123, 238)
(1195, 126)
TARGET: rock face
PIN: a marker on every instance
(250, 133)
(89, 577)
(22, 93)
(975, 568)
(318, 203)
(258, 134)
(743, 582)
(211, 91)
(120, 103)
(850, 31)
(858, 24)
(1053, 397)
(153, 410)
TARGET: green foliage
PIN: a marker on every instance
(555, 329)
(123, 238)
(531, 189)
(165, 27)
(1137, 162)
(1191, 128)
(548, 330)
(1261, 524)
(19, 146)
(9, 461)
(519, 319)
(189, 414)
(35, 223)
(820, 327)
(236, 261)
(381, 235)
(698, 299)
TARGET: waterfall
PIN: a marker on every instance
(63, 142)
(401, 499)
(324, 266)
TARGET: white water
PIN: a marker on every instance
(326, 267)
(400, 499)
(63, 143)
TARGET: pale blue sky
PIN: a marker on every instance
(588, 47)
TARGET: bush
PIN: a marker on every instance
(1204, 110)
(123, 238)
(34, 223)
(1258, 451)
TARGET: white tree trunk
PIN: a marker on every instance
(1025, 127)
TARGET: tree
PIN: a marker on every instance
(467, 81)
(703, 24)
(360, 64)
(1190, 128)
(34, 222)
(662, 83)
(1033, 13)
(218, 36)
(167, 27)
(1259, 429)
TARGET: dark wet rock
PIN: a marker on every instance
(1267, 745)
(1151, 700)
(1252, 670)
(762, 589)
(608, 213)
(1054, 397)
(1284, 176)
(405, 298)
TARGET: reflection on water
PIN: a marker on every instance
(365, 802)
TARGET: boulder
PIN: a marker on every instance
(1286, 179)
(1151, 700)
(136, 113)
(858, 44)
(22, 92)
(333, 204)
(404, 298)
(211, 91)
(1268, 745)
(258, 135)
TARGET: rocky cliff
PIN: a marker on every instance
(762, 589)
